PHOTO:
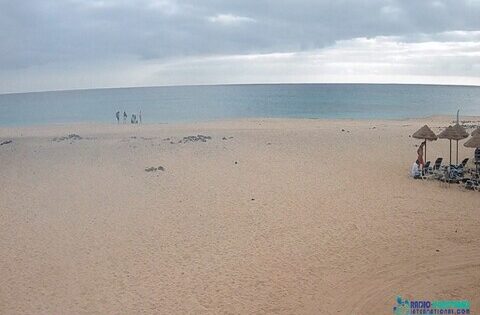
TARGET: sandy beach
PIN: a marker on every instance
(284, 216)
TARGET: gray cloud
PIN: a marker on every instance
(41, 34)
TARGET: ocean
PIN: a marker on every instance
(202, 103)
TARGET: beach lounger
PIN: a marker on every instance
(426, 167)
(435, 171)
(436, 166)
(454, 175)
(472, 184)
(456, 172)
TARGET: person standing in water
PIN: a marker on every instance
(117, 114)
(140, 116)
(125, 117)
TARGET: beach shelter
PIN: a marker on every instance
(450, 133)
(425, 133)
(461, 133)
(476, 131)
(474, 142)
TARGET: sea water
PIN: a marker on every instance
(202, 103)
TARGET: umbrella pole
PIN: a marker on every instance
(450, 166)
(425, 151)
(450, 152)
(457, 153)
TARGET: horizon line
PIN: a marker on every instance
(237, 84)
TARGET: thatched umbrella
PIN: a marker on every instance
(427, 134)
(474, 142)
(476, 132)
(462, 133)
(450, 133)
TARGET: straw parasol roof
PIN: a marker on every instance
(473, 142)
(451, 133)
(476, 131)
(425, 133)
(461, 131)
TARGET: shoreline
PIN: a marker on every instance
(434, 119)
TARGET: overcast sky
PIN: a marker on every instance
(70, 44)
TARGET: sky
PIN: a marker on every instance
(78, 44)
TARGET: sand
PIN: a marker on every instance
(265, 216)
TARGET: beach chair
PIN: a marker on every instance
(453, 175)
(472, 184)
(456, 172)
(434, 172)
(427, 165)
(436, 166)
(425, 168)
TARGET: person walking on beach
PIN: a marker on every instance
(117, 114)
(125, 117)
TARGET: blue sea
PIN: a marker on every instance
(201, 103)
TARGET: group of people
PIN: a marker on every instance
(134, 118)
(419, 164)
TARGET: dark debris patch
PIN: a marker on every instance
(197, 138)
(154, 169)
(6, 142)
(69, 137)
